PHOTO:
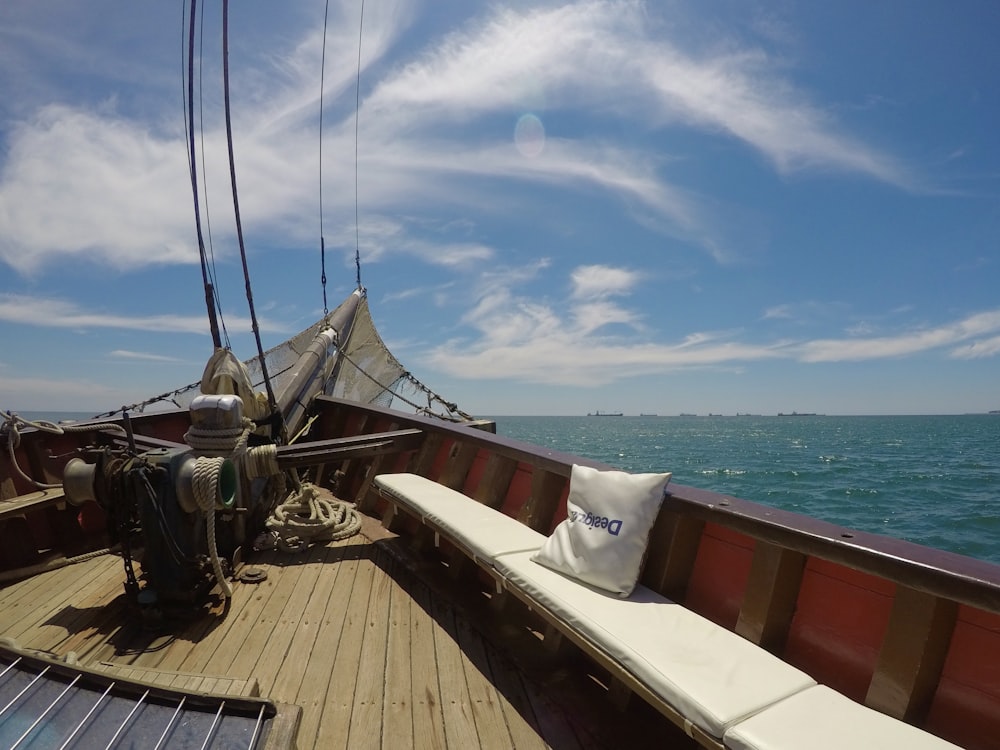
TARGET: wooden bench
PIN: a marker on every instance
(33, 501)
(723, 690)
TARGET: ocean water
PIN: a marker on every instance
(934, 480)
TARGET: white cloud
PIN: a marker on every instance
(93, 182)
(989, 347)
(141, 356)
(56, 313)
(906, 343)
(777, 312)
(601, 281)
(533, 341)
(78, 183)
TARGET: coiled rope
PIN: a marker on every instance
(232, 441)
(256, 462)
(12, 421)
(205, 487)
(306, 517)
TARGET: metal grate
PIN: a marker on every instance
(47, 706)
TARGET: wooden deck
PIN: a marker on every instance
(376, 656)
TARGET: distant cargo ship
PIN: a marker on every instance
(600, 413)
(799, 414)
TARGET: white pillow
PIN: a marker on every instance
(603, 539)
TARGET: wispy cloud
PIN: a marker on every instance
(141, 356)
(96, 182)
(58, 313)
(988, 347)
(601, 281)
(902, 344)
(533, 341)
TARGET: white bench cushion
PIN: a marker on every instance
(707, 673)
(822, 719)
(482, 531)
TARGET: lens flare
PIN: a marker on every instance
(529, 135)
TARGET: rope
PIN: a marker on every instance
(450, 406)
(236, 205)
(261, 461)
(205, 486)
(305, 518)
(62, 562)
(357, 117)
(233, 440)
(10, 425)
(322, 242)
(192, 169)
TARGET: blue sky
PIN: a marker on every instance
(662, 207)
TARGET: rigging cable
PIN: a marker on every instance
(189, 127)
(322, 241)
(213, 274)
(357, 111)
(236, 205)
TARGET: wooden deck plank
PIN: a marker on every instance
(180, 680)
(29, 597)
(217, 649)
(187, 647)
(296, 632)
(486, 703)
(427, 701)
(316, 685)
(107, 616)
(373, 655)
(248, 633)
(459, 722)
(310, 638)
(365, 725)
(61, 604)
(24, 593)
(517, 709)
(334, 725)
(270, 635)
(397, 705)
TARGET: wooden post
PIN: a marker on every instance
(771, 594)
(913, 654)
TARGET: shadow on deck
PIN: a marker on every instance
(379, 645)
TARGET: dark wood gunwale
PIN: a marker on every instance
(941, 573)
(925, 586)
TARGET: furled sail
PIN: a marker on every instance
(356, 365)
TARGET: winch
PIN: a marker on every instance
(185, 511)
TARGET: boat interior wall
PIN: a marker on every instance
(910, 632)
(761, 572)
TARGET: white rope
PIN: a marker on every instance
(261, 461)
(306, 517)
(205, 487)
(61, 562)
(233, 440)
